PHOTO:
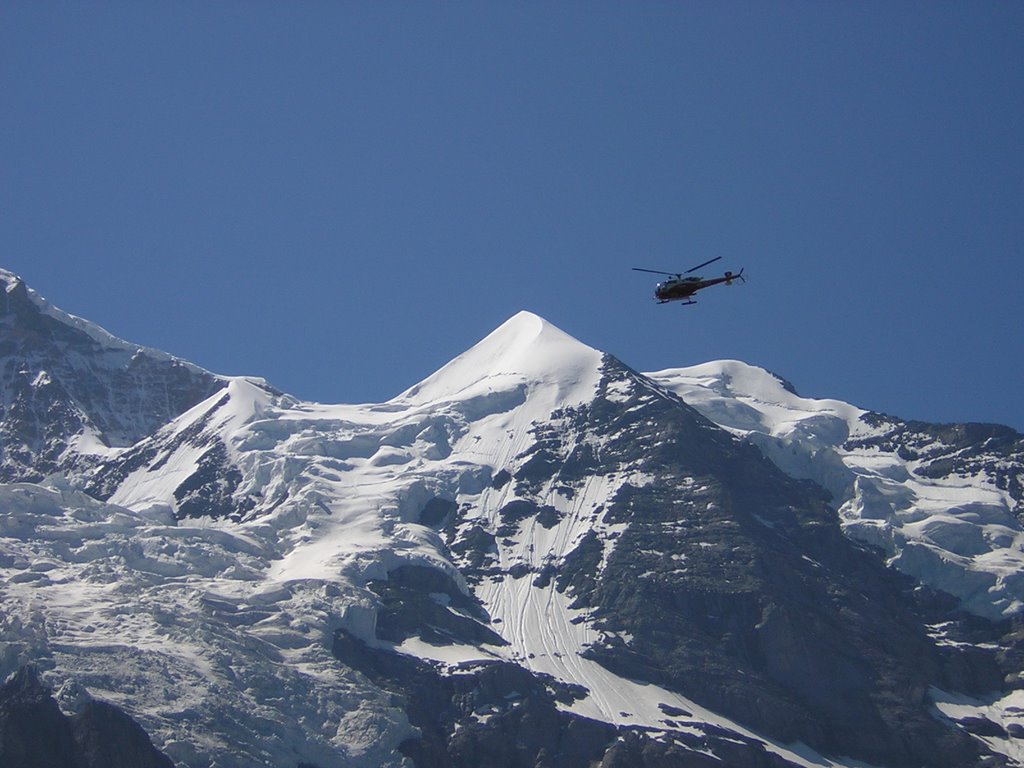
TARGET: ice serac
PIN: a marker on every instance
(535, 556)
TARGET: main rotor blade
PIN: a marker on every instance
(656, 271)
(709, 261)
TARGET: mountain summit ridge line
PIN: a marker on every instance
(535, 552)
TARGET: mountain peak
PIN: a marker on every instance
(84, 390)
(21, 302)
(9, 279)
(28, 310)
(525, 349)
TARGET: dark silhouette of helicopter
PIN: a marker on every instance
(679, 288)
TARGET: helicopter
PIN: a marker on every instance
(679, 288)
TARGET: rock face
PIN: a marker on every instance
(34, 733)
(69, 390)
(736, 586)
(942, 501)
(535, 557)
(719, 577)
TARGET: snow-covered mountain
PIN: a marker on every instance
(943, 501)
(535, 556)
(71, 393)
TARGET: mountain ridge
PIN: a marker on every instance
(520, 538)
(944, 507)
(71, 393)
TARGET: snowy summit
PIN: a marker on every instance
(525, 351)
(535, 551)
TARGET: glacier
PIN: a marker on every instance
(248, 574)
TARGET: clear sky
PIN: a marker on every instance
(341, 196)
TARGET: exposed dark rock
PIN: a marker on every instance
(578, 573)
(547, 573)
(425, 603)
(437, 512)
(518, 510)
(58, 379)
(492, 714)
(34, 733)
(108, 738)
(982, 726)
(474, 551)
(548, 517)
(499, 714)
(637, 749)
(500, 479)
(976, 654)
(539, 466)
(210, 490)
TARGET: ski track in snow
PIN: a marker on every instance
(548, 636)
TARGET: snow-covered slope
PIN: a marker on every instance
(955, 529)
(534, 551)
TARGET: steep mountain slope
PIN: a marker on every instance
(70, 392)
(943, 502)
(536, 556)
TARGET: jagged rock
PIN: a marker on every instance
(426, 603)
(34, 733)
(108, 738)
(61, 377)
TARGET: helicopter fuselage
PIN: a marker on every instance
(682, 288)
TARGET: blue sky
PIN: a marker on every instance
(342, 196)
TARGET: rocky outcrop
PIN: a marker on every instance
(501, 715)
(34, 733)
(65, 382)
(733, 583)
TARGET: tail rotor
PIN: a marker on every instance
(729, 277)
